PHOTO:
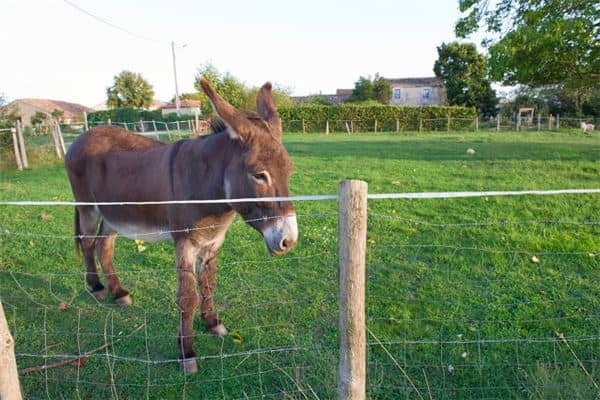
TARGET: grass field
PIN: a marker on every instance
(460, 309)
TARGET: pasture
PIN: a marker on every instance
(456, 308)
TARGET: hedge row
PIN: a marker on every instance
(134, 115)
(363, 118)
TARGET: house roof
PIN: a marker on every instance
(47, 105)
(183, 104)
(427, 81)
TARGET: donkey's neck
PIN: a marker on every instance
(208, 158)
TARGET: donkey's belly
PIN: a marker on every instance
(139, 231)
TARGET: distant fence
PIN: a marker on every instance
(63, 134)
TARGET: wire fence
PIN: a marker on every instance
(456, 308)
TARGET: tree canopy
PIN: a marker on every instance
(465, 75)
(378, 89)
(129, 90)
(538, 42)
(233, 90)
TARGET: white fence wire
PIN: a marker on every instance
(489, 342)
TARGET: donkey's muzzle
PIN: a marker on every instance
(282, 235)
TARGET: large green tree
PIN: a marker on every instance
(539, 42)
(365, 89)
(233, 90)
(465, 75)
(129, 90)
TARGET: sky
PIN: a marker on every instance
(51, 49)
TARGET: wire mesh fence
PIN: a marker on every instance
(457, 307)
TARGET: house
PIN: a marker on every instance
(186, 107)
(418, 91)
(26, 108)
(405, 92)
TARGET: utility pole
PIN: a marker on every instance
(175, 75)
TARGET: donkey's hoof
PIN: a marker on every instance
(100, 295)
(189, 366)
(218, 330)
(124, 301)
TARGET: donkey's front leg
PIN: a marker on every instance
(187, 301)
(207, 280)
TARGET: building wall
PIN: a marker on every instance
(418, 95)
(182, 111)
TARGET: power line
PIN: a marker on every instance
(112, 25)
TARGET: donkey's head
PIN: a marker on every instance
(262, 169)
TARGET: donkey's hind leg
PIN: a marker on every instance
(87, 218)
(105, 248)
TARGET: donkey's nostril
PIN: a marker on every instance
(286, 243)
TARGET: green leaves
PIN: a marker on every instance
(129, 90)
(464, 72)
(536, 42)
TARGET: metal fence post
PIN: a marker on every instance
(352, 242)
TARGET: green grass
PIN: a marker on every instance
(451, 291)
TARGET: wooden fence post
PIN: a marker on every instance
(15, 141)
(303, 126)
(61, 140)
(375, 127)
(420, 124)
(539, 122)
(178, 128)
(557, 121)
(550, 118)
(142, 127)
(498, 122)
(477, 123)
(56, 142)
(21, 140)
(352, 126)
(196, 122)
(154, 125)
(327, 127)
(347, 127)
(85, 121)
(352, 242)
(9, 376)
(448, 125)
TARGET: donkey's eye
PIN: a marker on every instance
(262, 177)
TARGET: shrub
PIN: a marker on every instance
(363, 117)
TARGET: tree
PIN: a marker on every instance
(382, 90)
(363, 90)
(539, 42)
(57, 114)
(129, 90)
(38, 118)
(464, 72)
(8, 114)
(366, 89)
(234, 91)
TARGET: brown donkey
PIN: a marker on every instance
(245, 159)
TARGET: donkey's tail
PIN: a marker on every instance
(78, 243)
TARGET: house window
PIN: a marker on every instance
(426, 94)
(397, 94)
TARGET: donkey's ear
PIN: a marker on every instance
(267, 110)
(238, 125)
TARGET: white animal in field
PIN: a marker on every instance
(587, 127)
(470, 151)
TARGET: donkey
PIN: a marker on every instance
(245, 159)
